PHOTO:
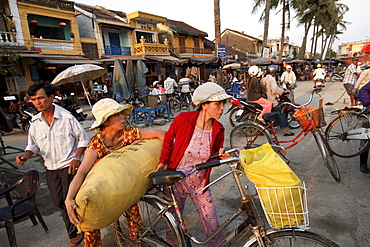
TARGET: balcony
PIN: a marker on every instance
(117, 50)
(53, 45)
(190, 51)
(8, 39)
(151, 48)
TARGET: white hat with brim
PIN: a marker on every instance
(209, 92)
(105, 108)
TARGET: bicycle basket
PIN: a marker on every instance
(317, 116)
(284, 206)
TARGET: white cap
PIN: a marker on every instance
(209, 91)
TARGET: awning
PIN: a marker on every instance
(366, 48)
(232, 66)
(166, 58)
(113, 58)
(211, 61)
(70, 61)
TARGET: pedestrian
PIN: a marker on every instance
(349, 81)
(364, 96)
(170, 85)
(363, 79)
(191, 139)
(112, 135)
(272, 91)
(60, 140)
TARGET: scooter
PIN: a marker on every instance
(337, 76)
(24, 116)
(241, 111)
(70, 106)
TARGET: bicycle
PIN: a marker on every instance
(251, 134)
(346, 134)
(159, 226)
(175, 102)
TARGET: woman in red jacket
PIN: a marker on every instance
(191, 139)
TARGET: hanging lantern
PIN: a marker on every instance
(62, 24)
(34, 22)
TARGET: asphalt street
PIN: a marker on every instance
(338, 211)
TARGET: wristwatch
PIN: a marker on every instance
(76, 158)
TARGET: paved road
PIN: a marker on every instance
(338, 211)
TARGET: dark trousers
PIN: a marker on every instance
(58, 182)
(283, 123)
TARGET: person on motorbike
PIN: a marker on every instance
(272, 91)
(319, 76)
(255, 91)
(288, 80)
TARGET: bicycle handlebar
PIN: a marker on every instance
(215, 163)
(316, 90)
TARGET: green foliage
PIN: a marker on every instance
(8, 57)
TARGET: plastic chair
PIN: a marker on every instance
(26, 206)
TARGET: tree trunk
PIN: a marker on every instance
(313, 38)
(282, 39)
(266, 24)
(315, 45)
(302, 50)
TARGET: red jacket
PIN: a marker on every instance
(178, 137)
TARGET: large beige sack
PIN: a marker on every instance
(115, 183)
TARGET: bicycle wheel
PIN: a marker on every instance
(295, 238)
(292, 122)
(327, 156)
(161, 233)
(337, 131)
(249, 135)
(234, 120)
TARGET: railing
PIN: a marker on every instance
(117, 50)
(56, 4)
(151, 48)
(53, 45)
(192, 50)
(8, 38)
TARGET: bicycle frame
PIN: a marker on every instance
(246, 206)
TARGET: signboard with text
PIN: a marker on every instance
(221, 51)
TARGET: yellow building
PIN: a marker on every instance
(184, 40)
(351, 48)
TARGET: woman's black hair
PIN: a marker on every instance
(49, 90)
(207, 102)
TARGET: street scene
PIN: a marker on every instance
(136, 124)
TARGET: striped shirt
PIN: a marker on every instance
(350, 76)
(57, 143)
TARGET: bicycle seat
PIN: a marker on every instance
(166, 177)
(270, 116)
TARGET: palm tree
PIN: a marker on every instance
(265, 16)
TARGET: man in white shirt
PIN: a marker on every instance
(184, 83)
(170, 84)
(319, 76)
(288, 78)
(61, 140)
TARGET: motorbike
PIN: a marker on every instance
(70, 106)
(20, 117)
(337, 76)
(241, 111)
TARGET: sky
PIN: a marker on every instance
(236, 15)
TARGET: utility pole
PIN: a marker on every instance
(216, 4)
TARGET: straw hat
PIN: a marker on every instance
(209, 91)
(105, 108)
